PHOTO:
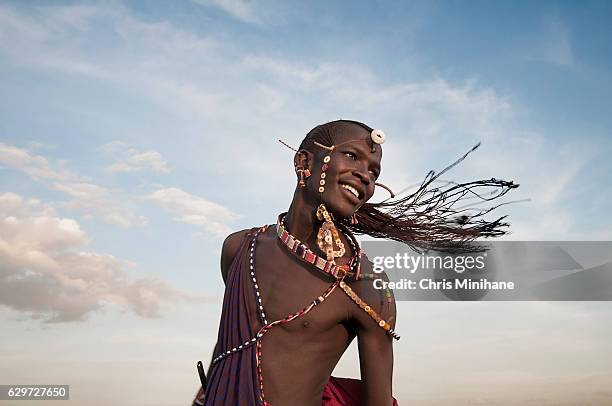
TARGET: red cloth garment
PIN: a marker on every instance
(337, 392)
(343, 392)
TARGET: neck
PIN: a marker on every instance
(301, 219)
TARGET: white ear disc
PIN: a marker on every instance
(378, 136)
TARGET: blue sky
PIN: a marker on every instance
(135, 135)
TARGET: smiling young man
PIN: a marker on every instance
(298, 292)
(295, 294)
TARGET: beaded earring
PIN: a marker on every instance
(303, 174)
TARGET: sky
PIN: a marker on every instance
(134, 136)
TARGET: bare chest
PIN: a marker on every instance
(288, 286)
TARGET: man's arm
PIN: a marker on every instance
(375, 345)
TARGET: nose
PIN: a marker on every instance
(363, 175)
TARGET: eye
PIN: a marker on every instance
(351, 156)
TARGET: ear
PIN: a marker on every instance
(303, 159)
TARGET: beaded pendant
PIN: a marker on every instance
(327, 235)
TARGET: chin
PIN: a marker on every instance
(340, 211)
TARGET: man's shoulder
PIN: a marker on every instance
(371, 292)
(231, 245)
(232, 241)
(368, 270)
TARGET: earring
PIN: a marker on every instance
(303, 174)
(354, 219)
(328, 234)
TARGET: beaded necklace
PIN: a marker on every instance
(352, 269)
(329, 267)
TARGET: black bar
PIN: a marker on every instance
(202, 375)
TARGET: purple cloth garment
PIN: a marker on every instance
(233, 380)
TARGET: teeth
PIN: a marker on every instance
(350, 189)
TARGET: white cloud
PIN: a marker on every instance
(190, 209)
(86, 196)
(46, 274)
(11, 204)
(91, 198)
(132, 160)
(242, 10)
(35, 166)
(32, 145)
(141, 161)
